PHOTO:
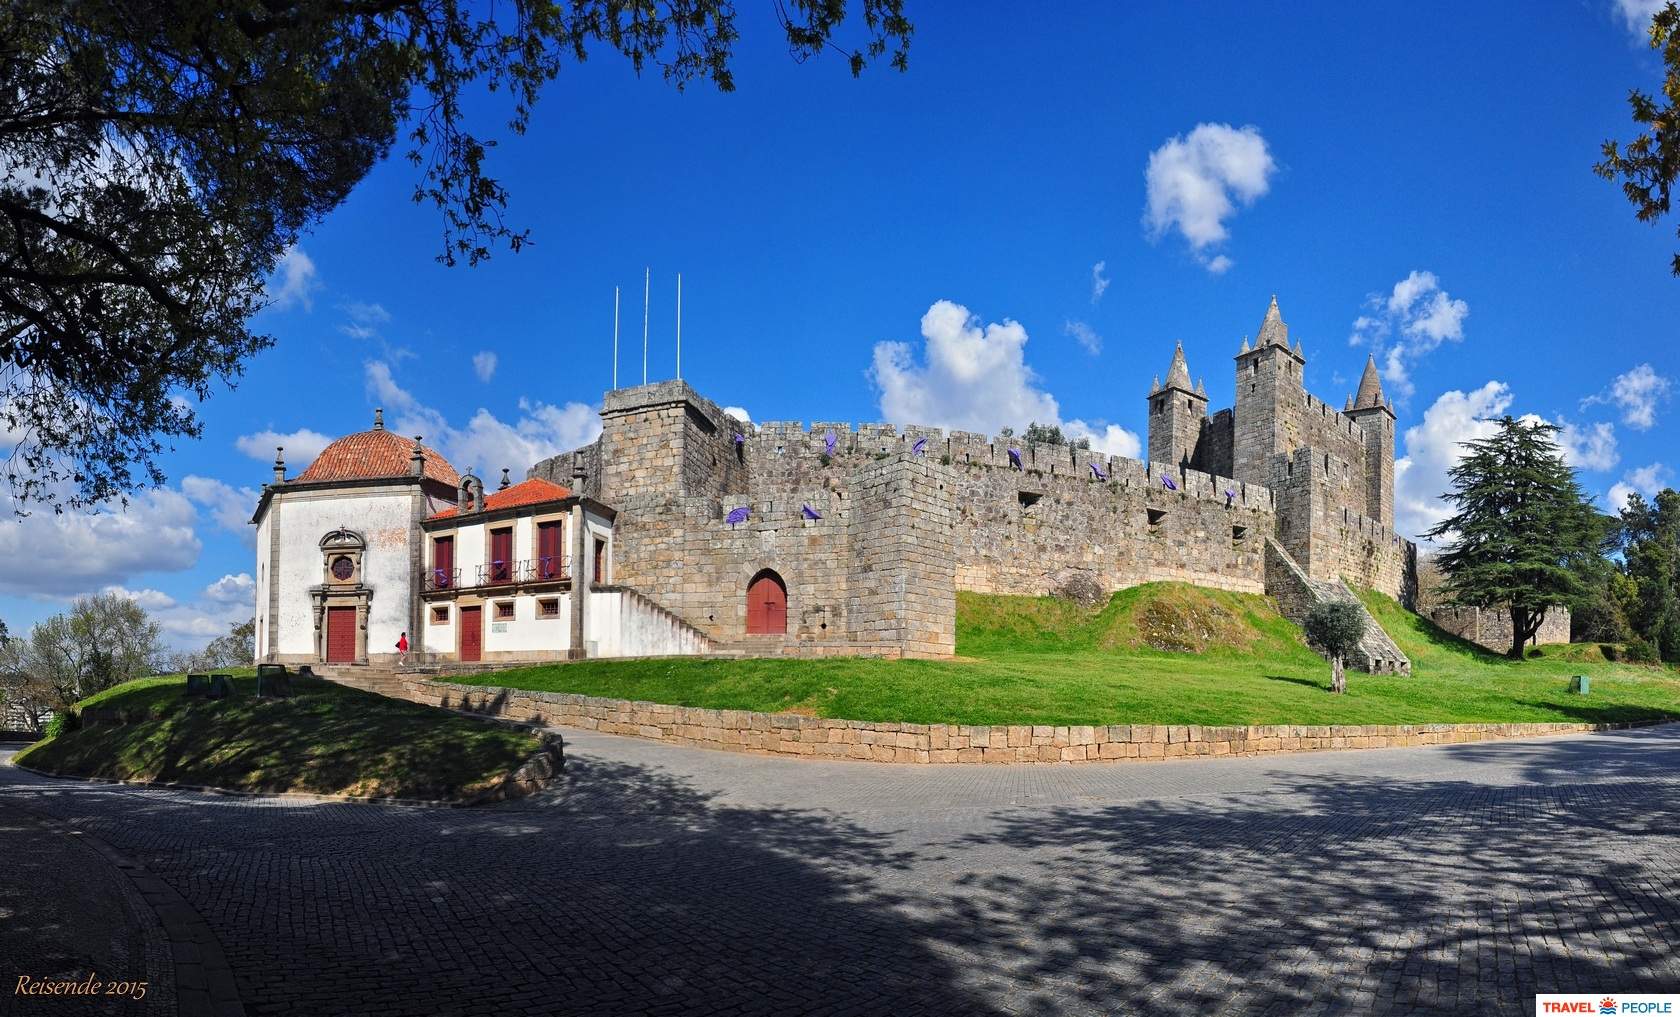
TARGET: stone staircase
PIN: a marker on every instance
(1296, 593)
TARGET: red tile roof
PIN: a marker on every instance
(531, 492)
(377, 453)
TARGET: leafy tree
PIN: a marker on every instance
(236, 649)
(1051, 434)
(1651, 565)
(1522, 530)
(1649, 164)
(103, 640)
(161, 157)
(1336, 627)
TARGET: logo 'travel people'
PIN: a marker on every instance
(1606, 1005)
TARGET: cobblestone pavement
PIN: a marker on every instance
(656, 879)
(67, 913)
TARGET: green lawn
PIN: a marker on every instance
(330, 739)
(1231, 659)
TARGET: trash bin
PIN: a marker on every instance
(1580, 684)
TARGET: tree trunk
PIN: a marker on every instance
(1338, 678)
(1519, 621)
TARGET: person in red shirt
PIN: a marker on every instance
(402, 648)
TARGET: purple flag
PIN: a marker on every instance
(1015, 458)
(1097, 470)
(740, 439)
(1230, 495)
(916, 449)
(828, 444)
(737, 515)
(1167, 482)
(809, 513)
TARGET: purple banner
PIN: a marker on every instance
(737, 515)
(1167, 482)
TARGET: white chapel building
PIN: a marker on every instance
(380, 538)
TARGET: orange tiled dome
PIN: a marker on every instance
(366, 455)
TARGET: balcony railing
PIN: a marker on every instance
(442, 579)
(530, 570)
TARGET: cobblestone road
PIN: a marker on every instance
(655, 879)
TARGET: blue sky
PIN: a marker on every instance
(1425, 168)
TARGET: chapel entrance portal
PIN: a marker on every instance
(341, 635)
(767, 605)
(472, 633)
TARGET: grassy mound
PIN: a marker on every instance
(330, 739)
(1163, 653)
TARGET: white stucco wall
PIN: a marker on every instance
(383, 520)
(623, 624)
(525, 632)
(439, 638)
(263, 536)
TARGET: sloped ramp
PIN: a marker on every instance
(1296, 594)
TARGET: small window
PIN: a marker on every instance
(343, 568)
(548, 608)
(1028, 498)
(1238, 533)
(440, 615)
(1155, 517)
(504, 610)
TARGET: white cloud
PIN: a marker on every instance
(1637, 392)
(1087, 337)
(297, 277)
(232, 589)
(1407, 325)
(737, 413)
(484, 365)
(974, 379)
(1637, 14)
(231, 509)
(1433, 448)
(78, 552)
(302, 446)
(1647, 480)
(1192, 181)
(1099, 282)
(363, 318)
(1593, 448)
(486, 443)
(151, 600)
(1109, 439)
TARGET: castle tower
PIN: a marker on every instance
(1177, 413)
(1268, 383)
(1376, 420)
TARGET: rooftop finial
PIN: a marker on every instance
(417, 458)
(279, 465)
(1273, 331)
(379, 419)
(503, 486)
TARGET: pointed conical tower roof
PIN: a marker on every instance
(1273, 331)
(1370, 386)
(1244, 346)
(1178, 375)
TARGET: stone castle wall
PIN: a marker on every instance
(1492, 628)
(906, 517)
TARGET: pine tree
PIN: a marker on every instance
(1523, 529)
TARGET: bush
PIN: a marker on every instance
(1638, 651)
(62, 721)
(1335, 626)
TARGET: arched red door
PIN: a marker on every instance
(767, 605)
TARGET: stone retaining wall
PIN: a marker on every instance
(784, 734)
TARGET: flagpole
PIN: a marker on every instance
(679, 326)
(615, 338)
(647, 282)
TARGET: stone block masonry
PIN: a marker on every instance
(797, 737)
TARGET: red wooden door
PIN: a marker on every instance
(443, 571)
(341, 635)
(501, 556)
(549, 550)
(767, 606)
(472, 633)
